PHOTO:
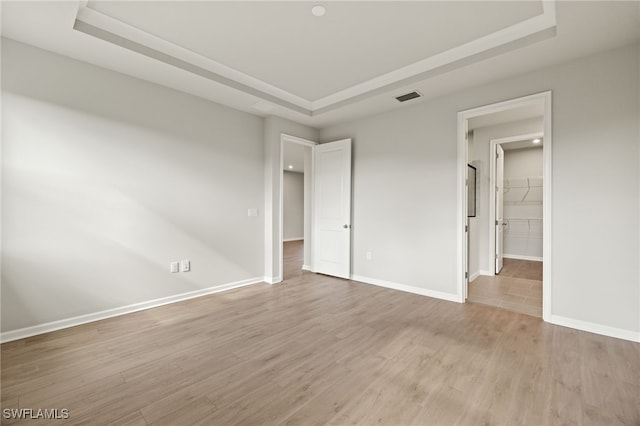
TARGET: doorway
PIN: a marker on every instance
(492, 243)
(515, 222)
(327, 211)
(296, 164)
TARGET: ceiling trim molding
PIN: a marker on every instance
(111, 30)
(104, 27)
(513, 33)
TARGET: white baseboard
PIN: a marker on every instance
(480, 272)
(408, 288)
(22, 333)
(591, 327)
(519, 257)
(273, 280)
(306, 267)
(286, 240)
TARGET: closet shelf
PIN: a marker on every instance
(523, 190)
(523, 224)
(524, 182)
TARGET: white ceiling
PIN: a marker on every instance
(525, 144)
(276, 58)
(293, 155)
(283, 44)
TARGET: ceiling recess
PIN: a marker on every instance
(408, 96)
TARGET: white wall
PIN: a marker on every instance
(404, 181)
(523, 208)
(480, 247)
(106, 179)
(293, 206)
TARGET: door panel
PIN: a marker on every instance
(332, 208)
(499, 224)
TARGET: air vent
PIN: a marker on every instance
(408, 96)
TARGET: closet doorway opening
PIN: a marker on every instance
(516, 216)
(506, 242)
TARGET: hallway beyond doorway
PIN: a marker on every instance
(293, 258)
(517, 288)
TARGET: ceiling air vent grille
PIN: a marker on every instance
(408, 96)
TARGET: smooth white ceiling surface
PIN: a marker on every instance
(283, 44)
(527, 144)
(293, 154)
(276, 58)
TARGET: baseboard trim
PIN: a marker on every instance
(591, 327)
(480, 272)
(306, 267)
(408, 288)
(519, 257)
(272, 280)
(286, 240)
(22, 333)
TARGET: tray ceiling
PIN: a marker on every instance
(285, 46)
(276, 58)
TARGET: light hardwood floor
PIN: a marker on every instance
(316, 350)
(517, 288)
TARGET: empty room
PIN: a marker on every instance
(309, 213)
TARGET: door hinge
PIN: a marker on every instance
(496, 223)
(497, 256)
(466, 275)
(466, 228)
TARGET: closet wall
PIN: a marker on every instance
(523, 170)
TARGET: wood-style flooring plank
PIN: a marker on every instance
(318, 350)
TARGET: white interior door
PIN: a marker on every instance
(332, 208)
(499, 224)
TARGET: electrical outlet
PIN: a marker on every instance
(186, 266)
(175, 267)
(368, 255)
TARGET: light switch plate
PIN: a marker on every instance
(175, 267)
(186, 266)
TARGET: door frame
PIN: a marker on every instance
(285, 138)
(463, 147)
(493, 143)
